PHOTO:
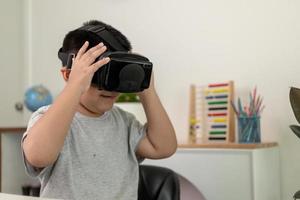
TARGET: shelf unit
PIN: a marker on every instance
(16, 131)
(229, 171)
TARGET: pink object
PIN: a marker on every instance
(188, 191)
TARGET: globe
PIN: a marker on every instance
(36, 97)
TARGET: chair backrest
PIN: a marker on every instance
(158, 183)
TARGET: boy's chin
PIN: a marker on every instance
(106, 106)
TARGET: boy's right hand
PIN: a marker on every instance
(42, 145)
(83, 67)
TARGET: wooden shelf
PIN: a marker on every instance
(228, 145)
(12, 130)
(182, 145)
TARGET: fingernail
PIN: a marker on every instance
(86, 42)
(101, 44)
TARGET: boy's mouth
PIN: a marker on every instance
(108, 96)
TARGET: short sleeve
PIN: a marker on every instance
(31, 170)
(137, 131)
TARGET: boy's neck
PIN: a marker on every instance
(87, 112)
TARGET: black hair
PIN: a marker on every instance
(74, 40)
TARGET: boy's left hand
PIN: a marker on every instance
(150, 89)
(160, 140)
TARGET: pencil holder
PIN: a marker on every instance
(249, 129)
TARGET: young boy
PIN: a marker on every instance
(83, 147)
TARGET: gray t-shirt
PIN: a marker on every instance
(98, 159)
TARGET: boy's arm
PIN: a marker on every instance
(160, 140)
(45, 138)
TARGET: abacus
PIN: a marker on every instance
(211, 113)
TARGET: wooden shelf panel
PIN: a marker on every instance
(12, 130)
(228, 145)
(183, 145)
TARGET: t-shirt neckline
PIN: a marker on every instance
(82, 116)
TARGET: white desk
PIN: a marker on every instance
(4, 196)
(230, 171)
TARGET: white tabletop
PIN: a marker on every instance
(4, 196)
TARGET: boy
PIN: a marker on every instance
(83, 147)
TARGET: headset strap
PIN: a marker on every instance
(66, 58)
(105, 35)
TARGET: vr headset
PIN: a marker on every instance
(126, 72)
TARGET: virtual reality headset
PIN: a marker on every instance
(126, 72)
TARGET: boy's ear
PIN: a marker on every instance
(65, 73)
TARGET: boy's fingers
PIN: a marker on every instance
(93, 56)
(99, 64)
(98, 52)
(90, 54)
(82, 49)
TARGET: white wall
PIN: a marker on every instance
(11, 61)
(253, 42)
(12, 83)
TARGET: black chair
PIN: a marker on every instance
(158, 183)
(31, 188)
(297, 195)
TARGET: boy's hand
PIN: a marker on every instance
(151, 85)
(160, 140)
(83, 67)
(149, 90)
(43, 145)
